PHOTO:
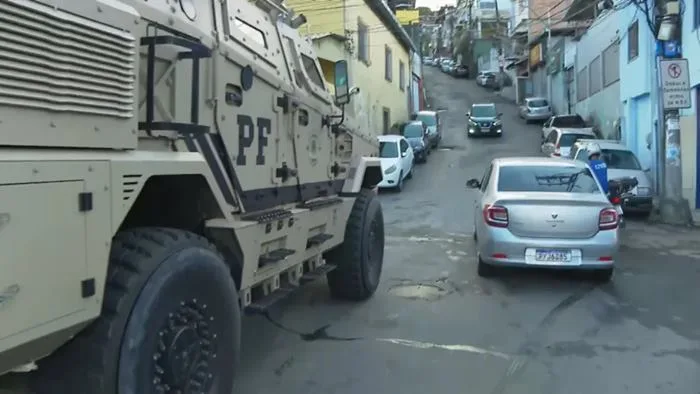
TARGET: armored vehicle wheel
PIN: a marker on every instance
(170, 323)
(359, 259)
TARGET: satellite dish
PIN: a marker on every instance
(188, 8)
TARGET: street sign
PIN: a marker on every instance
(675, 83)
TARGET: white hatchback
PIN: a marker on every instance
(396, 156)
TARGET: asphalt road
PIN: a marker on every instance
(434, 326)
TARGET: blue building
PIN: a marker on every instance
(638, 84)
(640, 97)
(597, 74)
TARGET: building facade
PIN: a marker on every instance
(367, 35)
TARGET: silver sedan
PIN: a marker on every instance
(539, 212)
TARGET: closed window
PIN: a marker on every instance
(362, 42)
(402, 76)
(611, 64)
(251, 32)
(387, 64)
(312, 71)
(404, 146)
(595, 78)
(633, 41)
(582, 84)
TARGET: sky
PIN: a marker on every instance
(434, 4)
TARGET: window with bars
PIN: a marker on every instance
(582, 84)
(362, 42)
(595, 79)
(388, 74)
(633, 41)
(611, 64)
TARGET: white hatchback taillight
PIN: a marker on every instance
(496, 216)
(607, 220)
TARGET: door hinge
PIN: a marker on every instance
(85, 201)
(285, 172)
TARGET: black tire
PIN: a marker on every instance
(410, 174)
(603, 275)
(485, 270)
(359, 259)
(166, 289)
(399, 184)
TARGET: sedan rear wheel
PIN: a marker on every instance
(485, 270)
(603, 275)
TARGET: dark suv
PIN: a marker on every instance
(416, 132)
(484, 119)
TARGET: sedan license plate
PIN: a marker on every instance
(485, 129)
(552, 256)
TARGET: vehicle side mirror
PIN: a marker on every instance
(469, 114)
(404, 153)
(500, 114)
(342, 85)
(473, 183)
(647, 170)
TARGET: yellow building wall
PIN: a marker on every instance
(376, 93)
(321, 17)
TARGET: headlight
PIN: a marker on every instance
(390, 170)
(497, 123)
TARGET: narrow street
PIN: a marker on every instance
(434, 326)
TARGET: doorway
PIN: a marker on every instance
(386, 120)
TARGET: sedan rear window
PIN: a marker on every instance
(546, 179)
(566, 140)
(572, 121)
(538, 103)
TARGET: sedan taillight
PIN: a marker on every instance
(496, 216)
(607, 220)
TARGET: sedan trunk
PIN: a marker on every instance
(553, 215)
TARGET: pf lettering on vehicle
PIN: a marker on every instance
(246, 136)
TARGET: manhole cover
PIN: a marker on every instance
(419, 292)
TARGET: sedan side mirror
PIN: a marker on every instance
(473, 183)
(404, 153)
(500, 114)
(468, 114)
(647, 170)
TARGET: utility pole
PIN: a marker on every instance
(673, 207)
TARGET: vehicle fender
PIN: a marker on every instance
(364, 172)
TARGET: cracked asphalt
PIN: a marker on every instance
(434, 326)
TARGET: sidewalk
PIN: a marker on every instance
(664, 241)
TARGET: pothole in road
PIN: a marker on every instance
(419, 291)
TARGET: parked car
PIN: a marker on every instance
(622, 163)
(445, 65)
(436, 61)
(427, 60)
(483, 76)
(484, 119)
(416, 133)
(396, 156)
(543, 213)
(535, 109)
(460, 71)
(432, 121)
(564, 122)
(559, 142)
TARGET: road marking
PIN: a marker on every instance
(459, 348)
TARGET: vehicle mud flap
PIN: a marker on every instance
(360, 258)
